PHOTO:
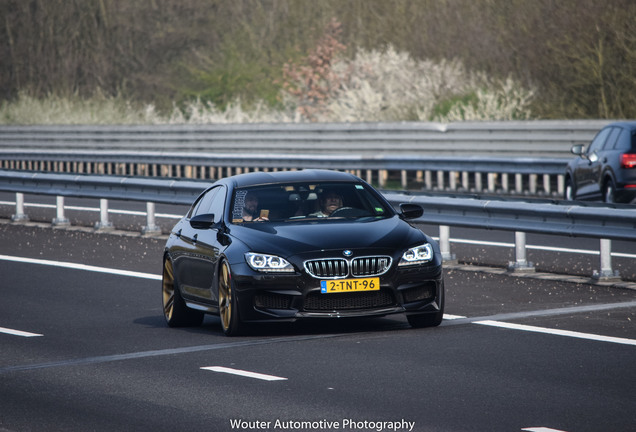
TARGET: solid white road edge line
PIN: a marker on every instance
(18, 332)
(95, 210)
(541, 429)
(81, 267)
(557, 332)
(538, 247)
(239, 372)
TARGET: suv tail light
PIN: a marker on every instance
(628, 160)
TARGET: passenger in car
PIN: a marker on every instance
(330, 201)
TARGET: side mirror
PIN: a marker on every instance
(578, 149)
(411, 211)
(203, 221)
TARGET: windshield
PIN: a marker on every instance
(307, 201)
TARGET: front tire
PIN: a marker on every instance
(429, 319)
(175, 311)
(228, 310)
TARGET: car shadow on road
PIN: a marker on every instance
(212, 326)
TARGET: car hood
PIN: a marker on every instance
(287, 239)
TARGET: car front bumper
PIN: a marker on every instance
(288, 297)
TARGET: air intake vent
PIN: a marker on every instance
(316, 301)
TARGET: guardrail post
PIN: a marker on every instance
(60, 220)
(560, 185)
(491, 182)
(606, 273)
(521, 265)
(440, 180)
(151, 227)
(465, 180)
(19, 215)
(546, 184)
(533, 184)
(104, 224)
(518, 183)
(452, 180)
(478, 186)
(444, 244)
(428, 180)
(382, 177)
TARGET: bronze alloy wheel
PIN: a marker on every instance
(167, 282)
(228, 311)
(175, 311)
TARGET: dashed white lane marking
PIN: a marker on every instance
(18, 332)
(85, 267)
(239, 372)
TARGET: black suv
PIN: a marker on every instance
(607, 169)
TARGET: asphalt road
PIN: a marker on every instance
(515, 353)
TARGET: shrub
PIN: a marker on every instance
(99, 109)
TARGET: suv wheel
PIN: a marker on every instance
(609, 192)
(569, 190)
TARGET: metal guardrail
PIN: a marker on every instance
(521, 158)
(557, 218)
(103, 187)
(547, 138)
(472, 164)
(521, 217)
(416, 171)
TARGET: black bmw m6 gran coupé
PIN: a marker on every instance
(282, 246)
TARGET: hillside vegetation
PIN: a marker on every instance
(195, 61)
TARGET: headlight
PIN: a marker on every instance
(268, 263)
(417, 255)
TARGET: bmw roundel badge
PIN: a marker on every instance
(347, 252)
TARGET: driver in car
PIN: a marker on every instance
(250, 210)
(330, 201)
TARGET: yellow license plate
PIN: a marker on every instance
(349, 285)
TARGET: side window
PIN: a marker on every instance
(611, 140)
(624, 141)
(217, 207)
(205, 202)
(598, 142)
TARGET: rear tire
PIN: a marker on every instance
(609, 192)
(175, 311)
(570, 191)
